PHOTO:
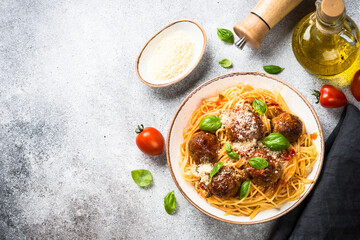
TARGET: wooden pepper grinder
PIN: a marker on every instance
(265, 15)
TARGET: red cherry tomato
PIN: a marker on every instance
(355, 86)
(149, 140)
(330, 97)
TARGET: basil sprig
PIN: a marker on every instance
(259, 106)
(245, 189)
(233, 155)
(225, 35)
(228, 147)
(141, 177)
(273, 69)
(276, 142)
(210, 123)
(230, 152)
(215, 169)
(258, 163)
(170, 202)
(225, 63)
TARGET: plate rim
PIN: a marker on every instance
(321, 157)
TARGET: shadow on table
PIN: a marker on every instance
(189, 82)
(223, 230)
(159, 160)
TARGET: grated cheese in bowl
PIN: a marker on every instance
(172, 56)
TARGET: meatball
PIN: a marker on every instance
(288, 125)
(244, 124)
(269, 175)
(203, 147)
(227, 182)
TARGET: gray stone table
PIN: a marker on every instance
(70, 101)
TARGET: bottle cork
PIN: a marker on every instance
(332, 10)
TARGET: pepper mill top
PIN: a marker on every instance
(265, 15)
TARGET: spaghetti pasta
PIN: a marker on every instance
(292, 182)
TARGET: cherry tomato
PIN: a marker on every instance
(149, 140)
(355, 86)
(330, 97)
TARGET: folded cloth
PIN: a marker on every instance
(332, 209)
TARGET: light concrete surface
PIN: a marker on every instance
(70, 101)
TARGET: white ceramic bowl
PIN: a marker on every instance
(297, 104)
(192, 29)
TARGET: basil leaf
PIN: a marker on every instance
(276, 142)
(273, 69)
(215, 169)
(245, 189)
(228, 147)
(225, 63)
(141, 177)
(258, 163)
(230, 152)
(170, 202)
(210, 123)
(225, 35)
(259, 106)
(233, 155)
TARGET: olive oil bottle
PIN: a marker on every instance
(326, 42)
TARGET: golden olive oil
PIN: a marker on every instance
(326, 48)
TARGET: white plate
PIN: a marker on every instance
(192, 29)
(297, 104)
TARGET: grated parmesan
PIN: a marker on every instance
(244, 146)
(251, 147)
(172, 56)
(241, 121)
(203, 171)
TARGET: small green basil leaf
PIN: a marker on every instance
(225, 63)
(258, 163)
(141, 177)
(228, 147)
(276, 142)
(272, 69)
(225, 35)
(215, 169)
(170, 202)
(259, 106)
(210, 123)
(233, 155)
(245, 189)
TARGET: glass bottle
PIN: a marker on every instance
(326, 42)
